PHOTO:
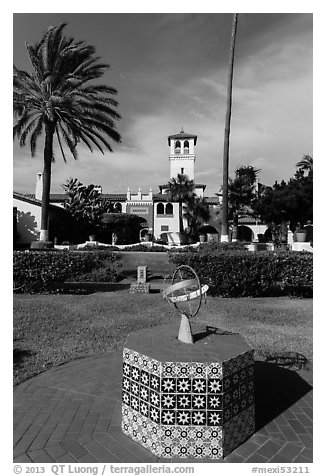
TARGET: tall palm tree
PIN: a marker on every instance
(57, 99)
(224, 227)
(180, 189)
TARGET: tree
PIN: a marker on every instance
(288, 202)
(125, 226)
(306, 164)
(58, 99)
(84, 204)
(242, 194)
(225, 227)
(181, 190)
(196, 213)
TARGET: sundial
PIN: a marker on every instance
(185, 293)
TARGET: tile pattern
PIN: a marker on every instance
(200, 410)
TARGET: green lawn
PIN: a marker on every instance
(52, 329)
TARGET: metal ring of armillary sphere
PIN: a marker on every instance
(185, 293)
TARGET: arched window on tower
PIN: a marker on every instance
(169, 209)
(177, 147)
(186, 147)
(160, 209)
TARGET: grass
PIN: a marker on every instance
(50, 330)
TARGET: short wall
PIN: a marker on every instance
(297, 246)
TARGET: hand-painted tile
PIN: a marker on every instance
(214, 385)
(198, 370)
(214, 418)
(134, 373)
(214, 402)
(184, 401)
(198, 417)
(214, 370)
(168, 417)
(168, 401)
(155, 399)
(183, 417)
(168, 369)
(169, 385)
(199, 385)
(155, 382)
(126, 398)
(183, 385)
(199, 401)
(144, 393)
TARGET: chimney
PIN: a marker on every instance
(39, 186)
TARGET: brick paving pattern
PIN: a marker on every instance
(73, 414)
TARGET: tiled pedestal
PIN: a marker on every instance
(187, 400)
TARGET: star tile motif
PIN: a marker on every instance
(214, 385)
(199, 385)
(169, 384)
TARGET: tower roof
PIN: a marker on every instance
(182, 135)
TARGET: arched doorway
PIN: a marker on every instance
(245, 233)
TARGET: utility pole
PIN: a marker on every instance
(225, 203)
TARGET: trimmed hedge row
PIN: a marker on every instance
(39, 271)
(241, 273)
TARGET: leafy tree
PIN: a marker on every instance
(242, 194)
(125, 226)
(181, 190)
(59, 99)
(196, 212)
(288, 202)
(84, 204)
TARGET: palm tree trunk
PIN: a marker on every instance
(47, 162)
(225, 228)
(235, 229)
(180, 218)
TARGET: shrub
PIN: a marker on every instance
(43, 271)
(216, 246)
(241, 273)
(142, 247)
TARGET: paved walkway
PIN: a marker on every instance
(73, 414)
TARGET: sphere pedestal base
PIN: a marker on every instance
(188, 401)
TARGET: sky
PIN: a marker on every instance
(170, 70)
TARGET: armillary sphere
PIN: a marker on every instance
(185, 293)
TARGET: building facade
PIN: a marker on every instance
(160, 216)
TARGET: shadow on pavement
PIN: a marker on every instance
(276, 389)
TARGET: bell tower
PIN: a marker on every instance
(182, 154)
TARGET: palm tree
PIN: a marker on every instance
(225, 205)
(306, 164)
(57, 99)
(180, 189)
(196, 213)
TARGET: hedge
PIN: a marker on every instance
(40, 271)
(243, 273)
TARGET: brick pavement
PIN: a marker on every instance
(72, 413)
